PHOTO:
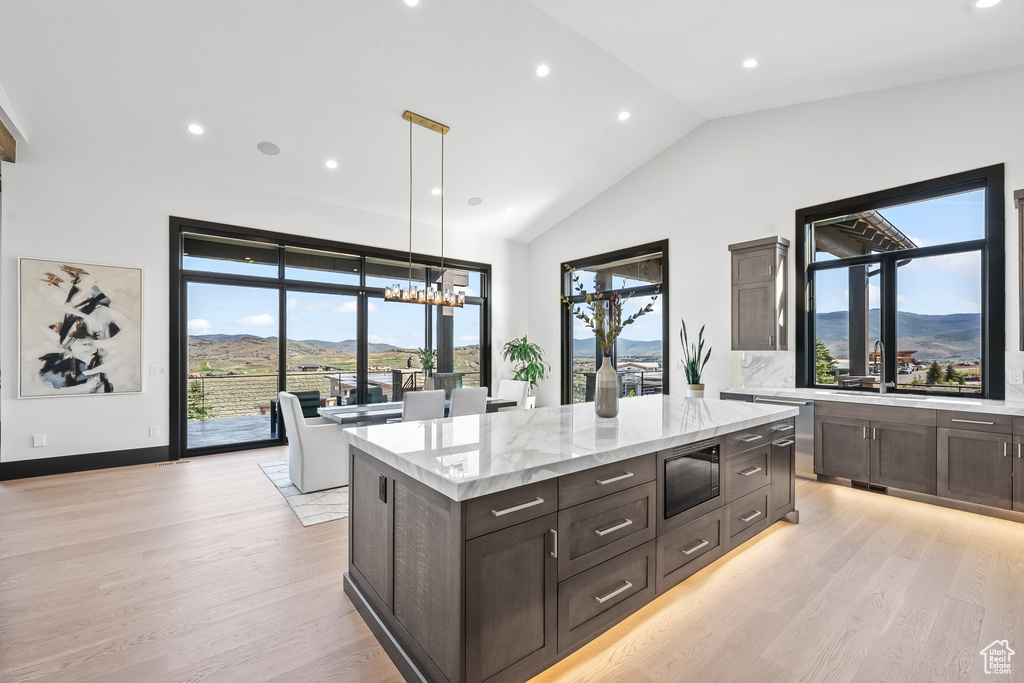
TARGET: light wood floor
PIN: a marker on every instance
(200, 572)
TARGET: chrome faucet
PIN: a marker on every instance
(883, 386)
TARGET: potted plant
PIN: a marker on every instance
(528, 364)
(693, 366)
(428, 359)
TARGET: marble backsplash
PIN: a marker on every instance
(766, 368)
(777, 369)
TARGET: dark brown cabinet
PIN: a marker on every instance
(1018, 474)
(759, 311)
(841, 447)
(783, 466)
(976, 467)
(511, 600)
(903, 456)
(885, 445)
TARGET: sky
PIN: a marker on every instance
(933, 286)
(220, 309)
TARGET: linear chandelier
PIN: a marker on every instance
(431, 296)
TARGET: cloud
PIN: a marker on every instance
(347, 307)
(198, 326)
(350, 307)
(294, 303)
(260, 320)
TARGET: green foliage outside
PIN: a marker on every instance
(824, 366)
(934, 375)
(197, 407)
(428, 359)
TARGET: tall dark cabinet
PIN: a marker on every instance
(760, 319)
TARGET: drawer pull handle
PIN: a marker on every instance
(752, 438)
(780, 401)
(973, 422)
(1006, 449)
(691, 551)
(1018, 450)
(517, 508)
(786, 428)
(602, 482)
(749, 471)
(783, 444)
(605, 598)
(621, 525)
(554, 537)
(752, 516)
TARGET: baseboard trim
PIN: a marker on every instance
(42, 467)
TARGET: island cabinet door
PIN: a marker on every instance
(783, 465)
(976, 467)
(1018, 474)
(842, 448)
(903, 456)
(511, 601)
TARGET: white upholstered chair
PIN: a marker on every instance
(422, 405)
(468, 401)
(514, 390)
(317, 454)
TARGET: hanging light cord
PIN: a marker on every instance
(410, 205)
(442, 213)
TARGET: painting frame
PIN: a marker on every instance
(80, 328)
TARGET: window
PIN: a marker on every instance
(903, 289)
(254, 313)
(640, 352)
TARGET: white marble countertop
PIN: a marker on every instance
(471, 456)
(967, 405)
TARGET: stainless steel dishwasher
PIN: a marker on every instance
(804, 426)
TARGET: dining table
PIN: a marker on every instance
(362, 414)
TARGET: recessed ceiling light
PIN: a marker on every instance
(982, 4)
(475, 201)
(750, 63)
(195, 129)
(509, 209)
(623, 115)
(412, 3)
(331, 163)
(436, 191)
(268, 148)
(543, 70)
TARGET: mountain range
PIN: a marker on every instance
(584, 347)
(956, 336)
(210, 346)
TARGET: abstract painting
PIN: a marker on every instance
(81, 329)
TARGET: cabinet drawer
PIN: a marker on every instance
(744, 440)
(683, 551)
(581, 487)
(593, 532)
(975, 422)
(747, 512)
(592, 601)
(505, 508)
(746, 472)
(782, 428)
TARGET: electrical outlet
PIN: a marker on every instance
(38, 440)
(1017, 377)
(154, 431)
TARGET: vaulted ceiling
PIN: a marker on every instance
(330, 79)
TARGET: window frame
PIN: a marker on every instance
(992, 249)
(180, 277)
(567, 319)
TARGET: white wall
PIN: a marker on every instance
(743, 178)
(59, 205)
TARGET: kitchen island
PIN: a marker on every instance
(486, 548)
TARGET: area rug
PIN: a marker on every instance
(310, 508)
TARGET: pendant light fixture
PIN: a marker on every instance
(432, 296)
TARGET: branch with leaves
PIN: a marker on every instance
(605, 316)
